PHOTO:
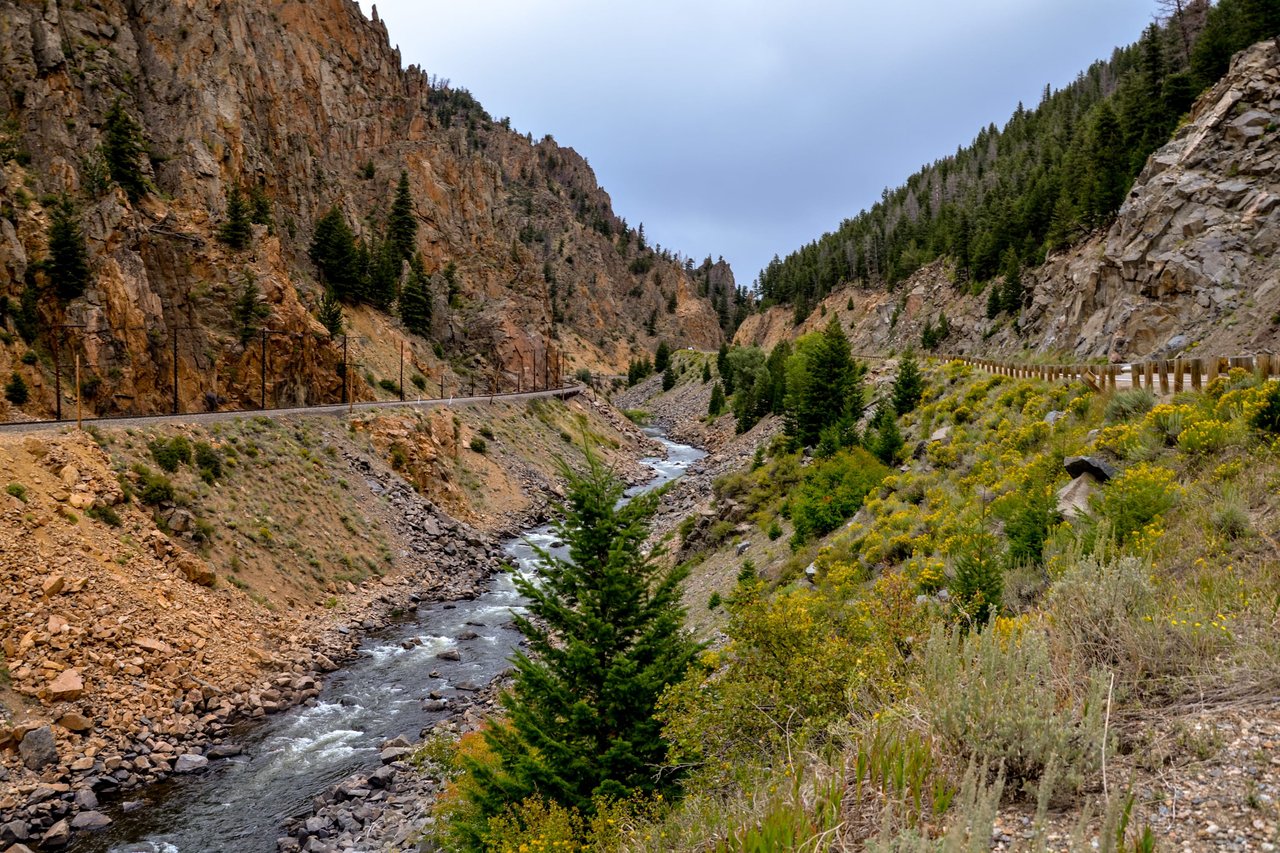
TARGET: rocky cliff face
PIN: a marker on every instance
(306, 105)
(1192, 259)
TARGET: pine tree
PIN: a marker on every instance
(402, 226)
(908, 386)
(415, 300)
(994, 303)
(824, 384)
(1106, 170)
(706, 372)
(15, 390)
(662, 357)
(122, 148)
(249, 310)
(330, 313)
(333, 251)
(716, 406)
(260, 208)
(605, 639)
(1011, 291)
(235, 231)
(68, 264)
(668, 378)
(887, 442)
(383, 278)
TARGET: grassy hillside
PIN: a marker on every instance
(980, 658)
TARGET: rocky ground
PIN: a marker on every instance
(108, 685)
(1204, 780)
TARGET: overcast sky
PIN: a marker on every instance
(744, 128)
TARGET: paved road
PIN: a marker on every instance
(309, 411)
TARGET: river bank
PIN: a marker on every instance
(207, 660)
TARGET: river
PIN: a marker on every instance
(240, 804)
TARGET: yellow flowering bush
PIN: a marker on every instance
(1206, 436)
(1168, 420)
(1135, 498)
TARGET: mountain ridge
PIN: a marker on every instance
(1189, 260)
(306, 106)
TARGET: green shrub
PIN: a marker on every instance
(1127, 405)
(478, 444)
(29, 357)
(208, 460)
(156, 489)
(832, 490)
(389, 385)
(487, 432)
(418, 381)
(714, 601)
(18, 490)
(997, 696)
(170, 454)
(400, 456)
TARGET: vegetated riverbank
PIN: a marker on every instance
(165, 634)
(1075, 590)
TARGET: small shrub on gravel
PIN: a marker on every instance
(478, 444)
(996, 693)
(156, 489)
(105, 514)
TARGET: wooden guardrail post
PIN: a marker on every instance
(1163, 367)
(1149, 371)
(1178, 368)
(1267, 365)
(1211, 371)
(1197, 365)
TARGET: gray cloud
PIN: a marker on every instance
(747, 128)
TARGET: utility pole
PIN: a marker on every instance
(263, 387)
(402, 371)
(175, 370)
(57, 377)
(78, 413)
(345, 370)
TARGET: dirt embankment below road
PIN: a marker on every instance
(163, 583)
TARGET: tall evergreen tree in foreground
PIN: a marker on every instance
(605, 639)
